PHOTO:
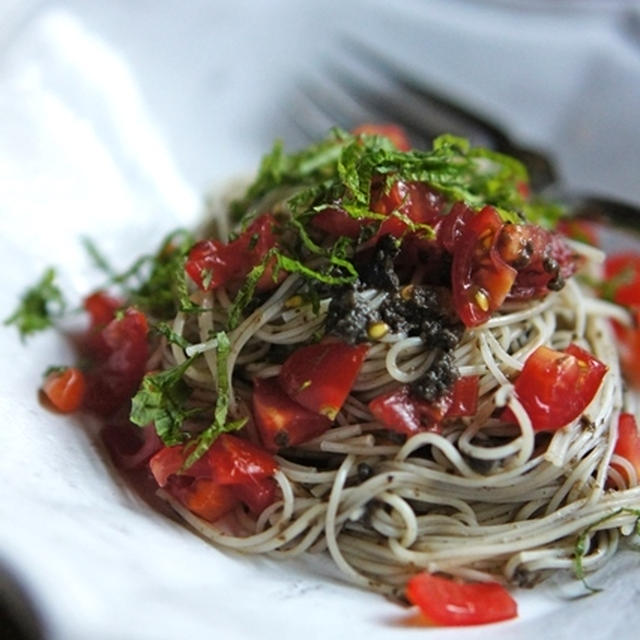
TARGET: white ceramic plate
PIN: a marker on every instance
(115, 119)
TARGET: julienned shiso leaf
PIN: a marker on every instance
(581, 546)
(341, 168)
(39, 306)
(155, 283)
(219, 425)
(161, 400)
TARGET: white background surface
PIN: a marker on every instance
(115, 118)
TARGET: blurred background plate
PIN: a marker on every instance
(116, 118)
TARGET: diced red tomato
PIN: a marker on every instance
(452, 226)
(543, 259)
(555, 387)
(628, 442)
(234, 460)
(234, 470)
(629, 348)
(281, 421)
(336, 222)
(211, 263)
(581, 230)
(320, 376)
(118, 357)
(481, 279)
(464, 397)
(393, 132)
(167, 462)
(65, 389)
(416, 200)
(448, 602)
(622, 274)
(205, 498)
(101, 308)
(256, 495)
(398, 411)
(130, 446)
(402, 412)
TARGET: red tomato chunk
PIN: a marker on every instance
(281, 421)
(400, 411)
(450, 603)
(320, 376)
(65, 389)
(212, 264)
(118, 355)
(555, 387)
(233, 470)
(628, 442)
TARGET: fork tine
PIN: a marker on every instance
(437, 110)
(448, 109)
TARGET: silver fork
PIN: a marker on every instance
(369, 87)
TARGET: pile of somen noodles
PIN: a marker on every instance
(349, 239)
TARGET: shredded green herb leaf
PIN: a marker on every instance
(39, 306)
(219, 425)
(161, 400)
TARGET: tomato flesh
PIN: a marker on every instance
(234, 460)
(65, 389)
(555, 387)
(480, 278)
(118, 355)
(628, 442)
(400, 411)
(281, 421)
(232, 470)
(212, 264)
(320, 376)
(622, 272)
(450, 603)
(205, 498)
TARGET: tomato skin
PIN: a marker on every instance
(234, 460)
(581, 230)
(102, 308)
(205, 498)
(464, 397)
(336, 222)
(481, 279)
(555, 387)
(449, 603)
(320, 376)
(232, 470)
(65, 389)
(118, 355)
(626, 268)
(256, 495)
(165, 463)
(548, 260)
(628, 441)
(212, 264)
(281, 421)
(393, 132)
(400, 411)
(397, 411)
